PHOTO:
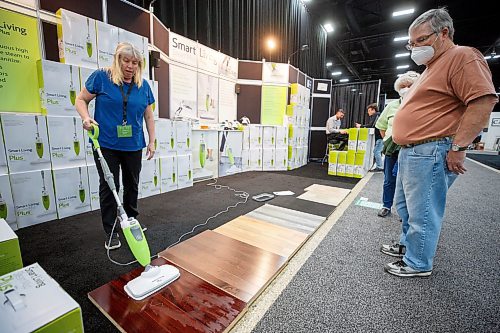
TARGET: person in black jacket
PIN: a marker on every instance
(373, 115)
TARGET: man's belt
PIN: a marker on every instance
(425, 141)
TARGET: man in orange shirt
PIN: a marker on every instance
(440, 116)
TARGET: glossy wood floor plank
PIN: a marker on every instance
(289, 218)
(280, 240)
(238, 268)
(188, 304)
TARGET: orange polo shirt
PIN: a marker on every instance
(435, 104)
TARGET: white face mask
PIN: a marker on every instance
(421, 55)
(403, 91)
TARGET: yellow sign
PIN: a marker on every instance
(274, 101)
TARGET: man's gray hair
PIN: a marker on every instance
(438, 20)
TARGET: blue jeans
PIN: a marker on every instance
(421, 186)
(389, 181)
(377, 154)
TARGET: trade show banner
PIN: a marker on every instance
(139, 42)
(19, 52)
(182, 49)
(67, 143)
(230, 152)
(84, 75)
(208, 59)
(26, 142)
(77, 39)
(208, 98)
(93, 187)
(168, 174)
(228, 101)
(3, 159)
(205, 154)
(7, 211)
(107, 40)
(59, 85)
(34, 199)
(228, 66)
(72, 191)
(273, 72)
(274, 101)
(182, 92)
(149, 181)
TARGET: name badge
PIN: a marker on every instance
(124, 131)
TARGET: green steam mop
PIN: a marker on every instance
(152, 278)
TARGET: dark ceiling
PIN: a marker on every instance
(362, 45)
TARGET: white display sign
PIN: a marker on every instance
(182, 49)
(273, 72)
(149, 180)
(84, 75)
(185, 171)
(183, 84)
(7, 211)
(155, 106)
(77, 39)
(72, 191)
(183, 135)
(26, 142)
(34, 199)
(228, 66)
(67, 143)
(230, 148)
(228, 101)
(208, 98)
(3, 159)
(107, 40)
(93, 187)
(208, 59)
(140, 44)
(205, 154)
(59, 85)
(168, 174)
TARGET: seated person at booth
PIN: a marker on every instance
(334, 134)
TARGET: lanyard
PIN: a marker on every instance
(125, 101)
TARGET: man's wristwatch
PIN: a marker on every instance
(455, 147)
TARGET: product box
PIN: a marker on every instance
(107, 40)
(359, 165)
(165, 138)
(294, 94)
(246, 137)
(341, 163)
(89, 152)
(353, 139)
(185, 171)
(205, 154)
(67, 143)
(156, 105)
(281, 159)
(84, 75)
(34, 302)
(3, 158)
(281, 137)
(268, 137)
(230, 150)
(26, 142)
(149, 180)
(245, 160)
(332, 162)
(256, 159)
(7, 211)
(77, 39)
(34, 198)
(349, 164)
(362, 139)
(255, 136)
(168, 174)
(268, 156)
(59, 84)
(183, 135)
(10, 253)
(139, 42)
(292, 157)
(72, 191)
(93, 187)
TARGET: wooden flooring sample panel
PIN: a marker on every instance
(328, 195)
(238, 268)
(288, 218)
(273, 238)
(189, 304)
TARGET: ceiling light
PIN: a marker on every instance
(344, 80)
(271, 44)
(328, 64)
(353, 89)
(403, 12)
(336, 73)
(497, 56)
(402, 66)
(399, 55)
(401, 38)
(487, 57)
(328, 27)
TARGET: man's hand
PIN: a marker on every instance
(455, 161)
(150, 152)
(343, 132)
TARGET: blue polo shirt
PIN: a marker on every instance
(109, 110)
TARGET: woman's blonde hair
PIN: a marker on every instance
(126, 50)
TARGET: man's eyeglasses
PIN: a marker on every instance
(419, 40)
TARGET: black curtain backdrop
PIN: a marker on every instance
(354, 98)
(240, 29)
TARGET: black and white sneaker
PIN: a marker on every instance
(401, 269)
(112, 243)
(394, 250)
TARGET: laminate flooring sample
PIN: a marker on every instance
(328, 195)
